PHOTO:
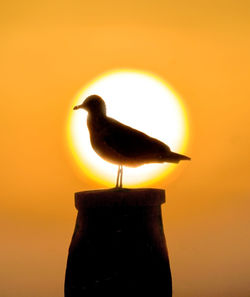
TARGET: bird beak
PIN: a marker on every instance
(77, 107)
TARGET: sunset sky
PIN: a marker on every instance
(49, 51)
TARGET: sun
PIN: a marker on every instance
(140, 100)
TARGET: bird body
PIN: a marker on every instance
(120, 144)
(123, 145)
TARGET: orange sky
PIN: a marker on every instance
(48, 52)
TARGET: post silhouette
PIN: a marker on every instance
(118, 247)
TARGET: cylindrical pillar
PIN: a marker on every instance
(118, 247)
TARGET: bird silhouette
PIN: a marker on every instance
(121, 144)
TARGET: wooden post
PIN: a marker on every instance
(118, 247)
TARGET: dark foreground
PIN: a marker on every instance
(118, 247)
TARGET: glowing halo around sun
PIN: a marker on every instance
(140, 100)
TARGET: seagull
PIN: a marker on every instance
(120, 144)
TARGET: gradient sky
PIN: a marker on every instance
(49, 50)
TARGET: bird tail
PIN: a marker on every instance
(176, 158)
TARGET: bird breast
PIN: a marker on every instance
(98, 130)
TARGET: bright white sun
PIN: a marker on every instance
(140, 100)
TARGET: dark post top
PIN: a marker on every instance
(119, 197)
(118, 247)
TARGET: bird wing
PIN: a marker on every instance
(132, 143)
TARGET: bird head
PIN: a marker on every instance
(93, 104)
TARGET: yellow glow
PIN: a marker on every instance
(140, 100)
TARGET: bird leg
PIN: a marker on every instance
(121, 174)
(119, 177)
